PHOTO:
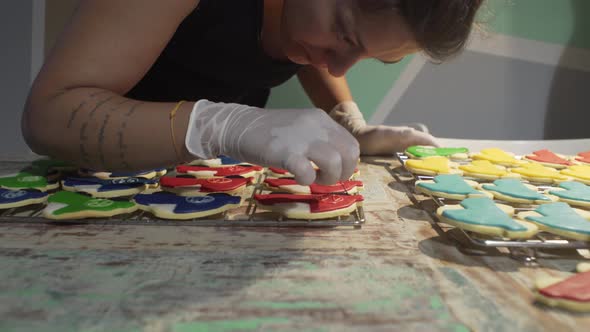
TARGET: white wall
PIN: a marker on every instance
(22, 37)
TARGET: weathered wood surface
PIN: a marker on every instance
(396, 273)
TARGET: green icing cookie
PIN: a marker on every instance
(483, 212)
(27, 180)
(562, 217)
(450, 184)
(429, 151)
(70, 203)
(574, 191)
(515, 188)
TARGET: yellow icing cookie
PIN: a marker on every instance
(539, 173)
(485, 170)
(498, 156)
(432, 166)
(580, 173)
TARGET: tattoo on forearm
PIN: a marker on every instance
(121, 135)
(101, 140)
(101, 133)
(83, 135)
(74, 113)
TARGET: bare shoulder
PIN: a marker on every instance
(111, 44)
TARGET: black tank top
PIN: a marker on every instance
(216, 54)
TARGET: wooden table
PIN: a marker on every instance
(396, 273)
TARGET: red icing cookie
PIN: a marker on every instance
(584, 157)
(211, 185)
(209, 172)
(292, 186)
(283, 173)
(575, 288)
(546, 156)
(317, 203)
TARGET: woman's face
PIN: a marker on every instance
(333, 34)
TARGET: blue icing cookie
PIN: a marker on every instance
(229, 161)
(113, 175)
(168, 205)
(105, 185)
(123, 182)
(558, 217)
(515, 188)
(17, 198)
(574, 191)
(450, 184)
(483, 212)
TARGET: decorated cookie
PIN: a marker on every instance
(18, 198)
(26, 180)
(573, 193)
(432, 166)
(279, 173)
(170, 206)
(560, 219)
(485, 170)
(540, 174)
(571, 293)
(499, 157)
(199, 187)
(100, 188)
(451, 186)
(70, 205)
(291, 186)
(579, 173)
(483, 216)
(549, 159)
(583, 157)
(514, 191)
(419, 152)
(122, 175)
(309, 206)
(215, 172)
(221, 161)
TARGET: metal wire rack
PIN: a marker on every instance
(245, 216)
(525, 250)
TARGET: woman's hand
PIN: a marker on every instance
(378, 140)
(286, 138)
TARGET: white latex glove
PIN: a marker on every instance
(285, 138)
(377, 140)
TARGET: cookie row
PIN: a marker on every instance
(486, 170)
(544, 157)
(208, 191)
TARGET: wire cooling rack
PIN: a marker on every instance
(246, 216)
(525, 249)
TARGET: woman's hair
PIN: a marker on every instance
(441, 27)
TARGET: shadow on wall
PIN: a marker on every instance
(567, 111)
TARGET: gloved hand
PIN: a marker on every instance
(377, 140)
(285, 138)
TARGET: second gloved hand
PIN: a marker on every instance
(286, 138)
(378, 140)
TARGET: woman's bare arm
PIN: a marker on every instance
(324, 90)
(76, 110)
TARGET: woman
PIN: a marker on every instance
(110, 94)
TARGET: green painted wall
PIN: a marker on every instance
(553, 21)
